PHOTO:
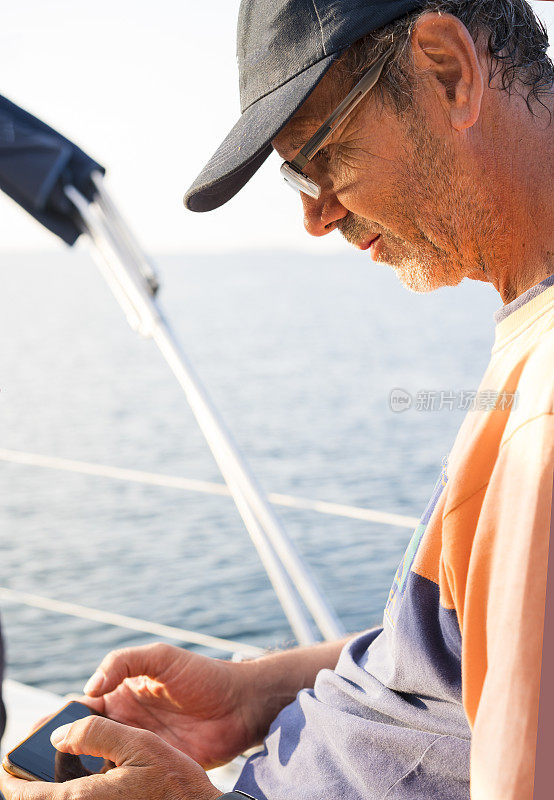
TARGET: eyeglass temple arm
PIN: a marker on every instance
(351, 100)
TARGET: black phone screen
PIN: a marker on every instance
(40, 758)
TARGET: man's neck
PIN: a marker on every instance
(527, 178)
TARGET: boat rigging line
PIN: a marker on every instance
(291, 579)
(204, 487)
(130, 623)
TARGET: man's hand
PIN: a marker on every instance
(211, 710)
(146, 767)
(197, 704)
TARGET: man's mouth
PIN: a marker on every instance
(368, 242)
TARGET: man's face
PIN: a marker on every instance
(400, 186)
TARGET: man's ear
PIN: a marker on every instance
(444, 51)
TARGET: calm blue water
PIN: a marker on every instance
(300, 354)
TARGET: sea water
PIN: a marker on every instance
(301, 355)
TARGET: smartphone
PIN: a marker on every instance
(36, 759)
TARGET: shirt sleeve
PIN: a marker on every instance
(503, 613)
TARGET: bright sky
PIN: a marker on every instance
(149, 90)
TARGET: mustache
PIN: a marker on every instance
(354, 229)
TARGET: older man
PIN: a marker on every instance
(421, 130)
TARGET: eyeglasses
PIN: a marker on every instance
(292, 170)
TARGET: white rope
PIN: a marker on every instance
(340, 510)
(131, 623)
(204, 487)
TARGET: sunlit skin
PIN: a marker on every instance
(460, 186)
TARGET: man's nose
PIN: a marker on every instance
(321, 215)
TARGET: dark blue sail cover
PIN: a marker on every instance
(36, 163)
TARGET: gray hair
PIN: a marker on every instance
(516, 43)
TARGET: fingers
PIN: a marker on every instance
(150, 660)
(17, 789)
(94, 703)
(99, 736)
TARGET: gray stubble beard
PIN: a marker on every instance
(454, 225)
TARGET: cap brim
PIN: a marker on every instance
(248, 144)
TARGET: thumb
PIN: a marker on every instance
(151, 660)
(102, 737)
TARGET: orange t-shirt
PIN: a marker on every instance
(492, 526)
(442, 700)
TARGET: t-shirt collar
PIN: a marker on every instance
(524, 298)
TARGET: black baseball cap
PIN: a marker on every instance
(284, 48)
